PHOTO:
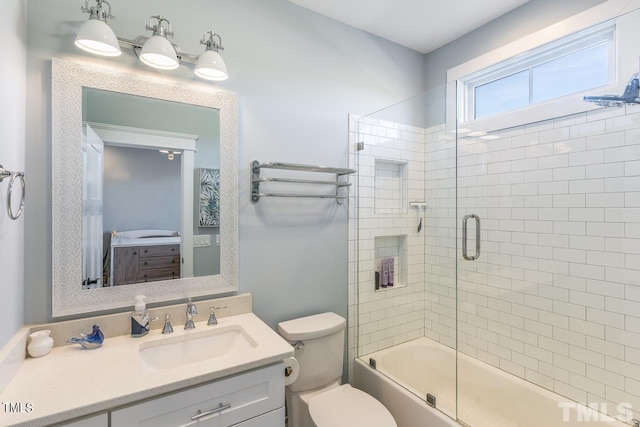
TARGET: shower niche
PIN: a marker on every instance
(390, 248)
(390, 184)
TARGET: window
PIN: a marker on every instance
(580, 62)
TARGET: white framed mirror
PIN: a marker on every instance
(71, 81)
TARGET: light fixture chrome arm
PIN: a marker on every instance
(138, 43)
(214, 42)
(97, 12)
(159, 29)
(211, 43)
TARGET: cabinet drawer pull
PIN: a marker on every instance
(201, 414)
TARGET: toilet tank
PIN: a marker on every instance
(321, 353)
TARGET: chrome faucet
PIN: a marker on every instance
(191, 311)
(167, 329)
(212, 315)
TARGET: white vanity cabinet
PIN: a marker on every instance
(101, 420)
(254, 398)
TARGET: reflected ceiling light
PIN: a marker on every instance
(477, 133)
(210, 65)
(461, 131)
(170, 154)
(157, 51)
(490, 137)
(95, 36)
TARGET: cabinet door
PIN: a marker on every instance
(271, 419)
(221, 403)
(125, 265)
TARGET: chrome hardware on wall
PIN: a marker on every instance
(421, 206)
(256, 180)
(464, 237)
(5, 174)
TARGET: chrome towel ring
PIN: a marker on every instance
(4, 174)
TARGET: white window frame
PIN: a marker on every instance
(619, 16)
(603, 33)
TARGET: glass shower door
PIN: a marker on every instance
(405, 208)
(543, 293)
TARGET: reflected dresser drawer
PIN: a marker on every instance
(135, 264)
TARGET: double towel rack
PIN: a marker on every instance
(14, 175)
(256, 180)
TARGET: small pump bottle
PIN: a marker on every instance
(140, 318)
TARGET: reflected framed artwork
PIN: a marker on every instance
(209, 197)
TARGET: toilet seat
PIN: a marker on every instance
(346, 406)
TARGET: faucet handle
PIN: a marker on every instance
(167, 329)
(191, 308)
(212, 315)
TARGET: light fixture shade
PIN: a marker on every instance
(158, 52)
(96, 37)
(211, 66)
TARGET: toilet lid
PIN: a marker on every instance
(346, 406)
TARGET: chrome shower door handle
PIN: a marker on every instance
(464, 237)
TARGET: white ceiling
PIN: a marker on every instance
(422, 25)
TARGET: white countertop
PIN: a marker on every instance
(71, 382)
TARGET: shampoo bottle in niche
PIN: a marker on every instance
(385, 272)
(140, 318)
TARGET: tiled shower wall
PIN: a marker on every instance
(555, 295)
(390, 174)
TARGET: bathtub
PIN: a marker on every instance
(487, 396)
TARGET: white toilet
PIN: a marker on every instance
(316, 398)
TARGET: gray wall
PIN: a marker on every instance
(297, 75)
(13, 31)
(141, 190)
(528, 18)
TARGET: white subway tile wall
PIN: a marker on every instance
(555, 296)
(390, 175)
(390, 187)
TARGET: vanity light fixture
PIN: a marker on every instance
(157, 51)
(95, 36)
(210, 65)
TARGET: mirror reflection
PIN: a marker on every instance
(150, 190)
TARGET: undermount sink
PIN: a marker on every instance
(194, 346)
